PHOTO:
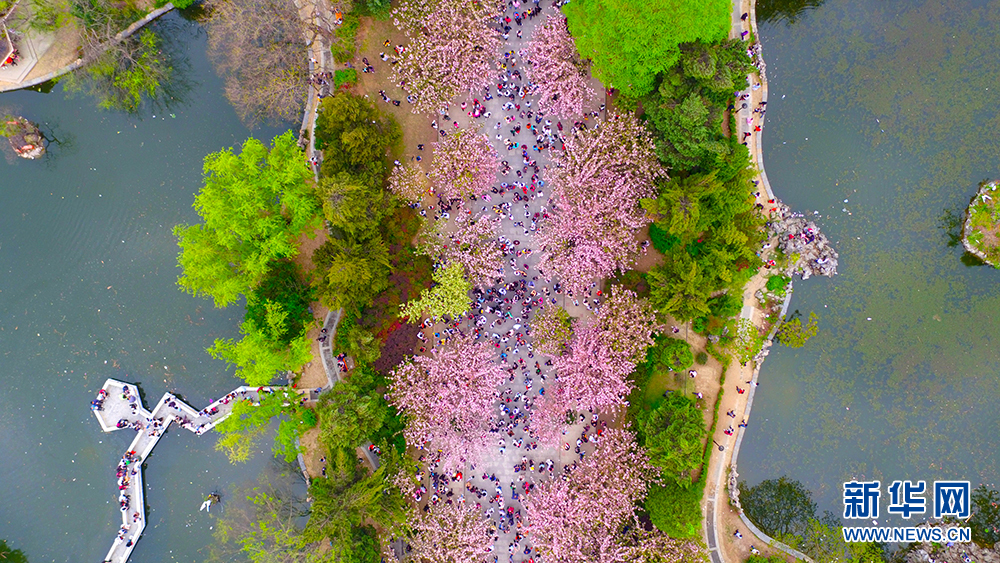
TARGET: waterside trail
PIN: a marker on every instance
(741, 380)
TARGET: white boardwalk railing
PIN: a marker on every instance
(118, 406)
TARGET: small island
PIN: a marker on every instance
(24, 137)
(981, 230)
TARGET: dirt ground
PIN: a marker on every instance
(416, 128)
(313, 374)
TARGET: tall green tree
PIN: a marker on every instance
(709, 231)
(264, 529)
(680, 289)
(352, 206)
(631, 41)
(263, 351)
(353, 498)
(254, 206)
(675, 508)
(284, 288)
(672, 433)
(672, 353)
(352, 271)
(248, 422)
(450, 295)
(687, 107)
(353, 412)
(355, 136)
(9, 555)
(779, 506)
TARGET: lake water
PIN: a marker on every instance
(883, 117)
(87, 292)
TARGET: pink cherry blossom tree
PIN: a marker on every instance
(556, 69)
(594, 374)
(627, 324)
(449, 533)
(452, 50)
(409, 182)
(551, 330)
(598, 183)
(447, 399)
(641, 546)
(470, 242)
(579, 520)
(465, 163)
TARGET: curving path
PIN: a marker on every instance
(120, 408)
(717, 493)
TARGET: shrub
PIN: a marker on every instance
(726, 305)
(344, 50)
(777, 284)
(672, 433)
(671, 353)
(675, 509)
(345, 76)
(701, 358)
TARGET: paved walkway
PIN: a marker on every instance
(497, 484)
(318, 13)
(54, 56)
(119, 407)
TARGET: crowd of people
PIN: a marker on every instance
(525, 137)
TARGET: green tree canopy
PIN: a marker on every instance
(353, 271)
(254, 206)
(9, 555)
(355, 136)
(675, 508)
(669, 352)
(794, 333)
(353, 207)
(709, 231)
(687, 106)
(351, 499)
(353, 412)
(630, 41)
(450, 295)
(284, 288)
(264, 527)
(672, 433)
(248, 422)
(264, 351)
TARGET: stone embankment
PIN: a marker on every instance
(953, 553)
(24, 137)
(809, 251)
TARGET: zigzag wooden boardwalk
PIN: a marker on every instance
(118, 406)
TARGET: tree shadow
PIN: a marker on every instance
(787, 11)
(950, 222)
(168, 80)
